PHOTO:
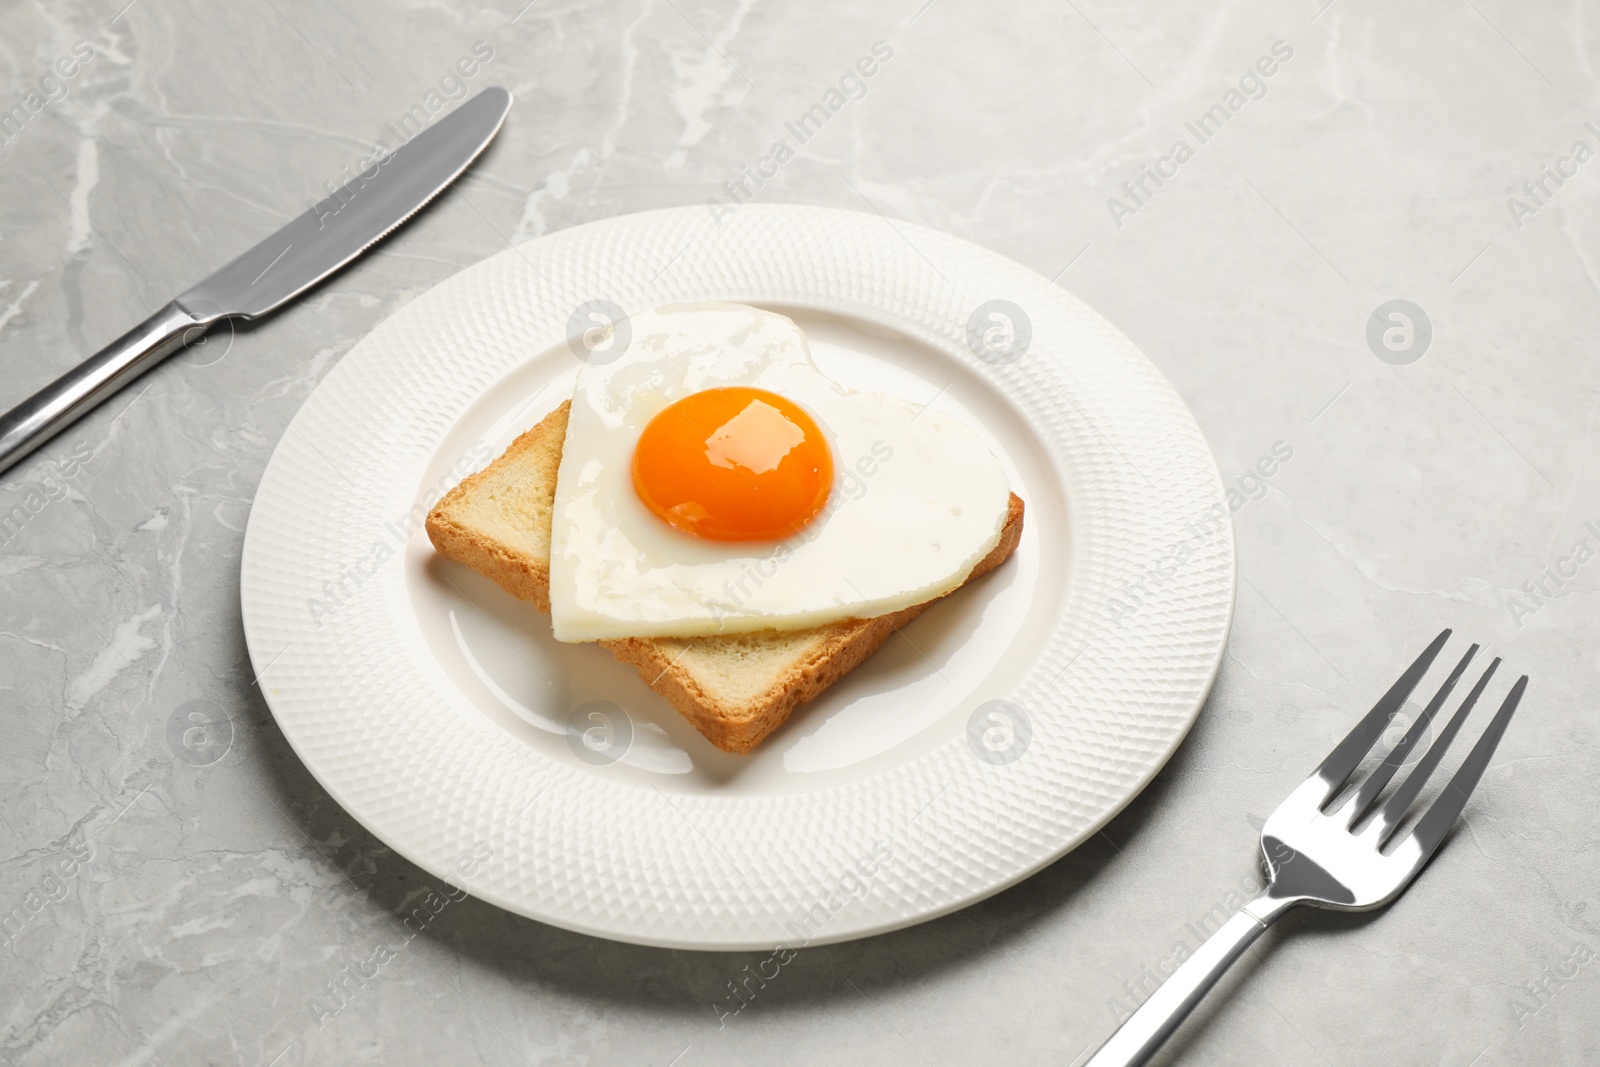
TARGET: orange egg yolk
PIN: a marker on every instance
(734, 464)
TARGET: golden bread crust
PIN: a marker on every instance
(497, 522)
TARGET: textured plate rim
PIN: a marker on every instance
(898, 264)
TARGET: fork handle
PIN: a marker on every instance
(1137, 1039)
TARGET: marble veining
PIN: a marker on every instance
(175, 888)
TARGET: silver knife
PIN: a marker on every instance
(274, 272)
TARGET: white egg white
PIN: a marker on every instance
(918, 498)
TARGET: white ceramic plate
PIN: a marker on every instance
(439, 711)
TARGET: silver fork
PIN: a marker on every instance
(1323, 855)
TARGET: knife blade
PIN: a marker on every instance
(304, 252)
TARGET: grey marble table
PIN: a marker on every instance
(202, 902)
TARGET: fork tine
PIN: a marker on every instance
(1432, 827)
(1367, 795)
(1394, 809)
(1347, 756)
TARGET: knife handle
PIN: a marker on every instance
(59, 404)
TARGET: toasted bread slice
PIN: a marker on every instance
(735, 689)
